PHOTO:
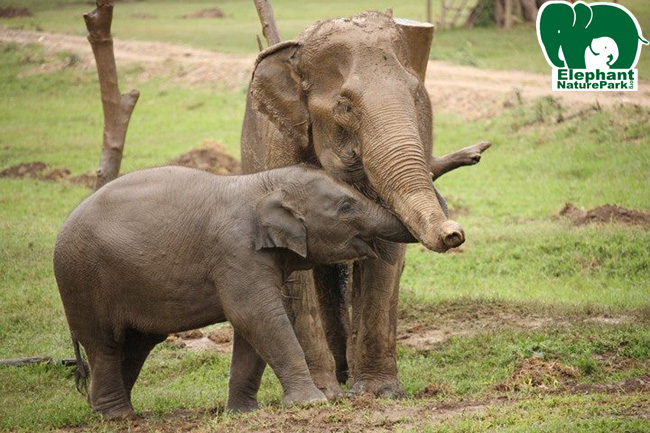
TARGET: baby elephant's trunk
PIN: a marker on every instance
(387, 226)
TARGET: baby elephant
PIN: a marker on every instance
(172, 249)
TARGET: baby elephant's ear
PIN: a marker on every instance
(278, 225)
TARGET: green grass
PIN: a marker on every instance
(519, 260)
(492, 48)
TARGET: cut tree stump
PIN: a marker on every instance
(117, 107)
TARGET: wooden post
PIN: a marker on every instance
(428, 11)
(269, 26)
(418, 40)
(117, 107)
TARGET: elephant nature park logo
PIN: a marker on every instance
(590, 46)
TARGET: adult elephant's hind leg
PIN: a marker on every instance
(374, 326)
(331, 284)
(302, 307)
(246, 369)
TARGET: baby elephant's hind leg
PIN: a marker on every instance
(136, 349)
(246, 371)
(108, 395)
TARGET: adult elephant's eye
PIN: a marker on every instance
(344, 105)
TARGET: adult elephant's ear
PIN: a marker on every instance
(279, 226)
(276, 92)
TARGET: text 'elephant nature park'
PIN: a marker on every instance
(590, 46)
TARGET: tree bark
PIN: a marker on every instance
(507, 16)
(269, 26)
(117, 107)
(529, 10)
(459, 12)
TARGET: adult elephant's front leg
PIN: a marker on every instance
(302, 307)
(372, 351)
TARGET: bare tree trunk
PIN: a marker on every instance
(443, 14)
(498, 13)
(459, 12)
(117, 107)
(269, 26)
(428, 11)
(529, 10)
(507, 17)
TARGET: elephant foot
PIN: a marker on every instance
(309, 397)
(242, 406)
(328, 384)
(378, 388)
(124, 413)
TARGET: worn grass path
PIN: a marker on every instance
(465, 90)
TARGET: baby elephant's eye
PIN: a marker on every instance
(346, 207)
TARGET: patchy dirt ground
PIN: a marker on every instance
(608, 213)
(15, 12)
(41, 171)
(210, 157)
(205, 13)
(464, 90)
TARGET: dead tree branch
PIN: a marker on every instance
(117, 107)
(269, 26)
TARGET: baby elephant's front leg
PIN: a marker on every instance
(263, 322)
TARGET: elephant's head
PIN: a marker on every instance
(347, 92)
(561, 28)
(325, 220)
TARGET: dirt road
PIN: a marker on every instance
(468, 91)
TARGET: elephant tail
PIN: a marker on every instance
(82, 373)
(643, 41)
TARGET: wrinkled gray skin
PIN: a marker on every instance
(171, 249)
(345, 97)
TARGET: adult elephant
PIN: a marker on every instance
(345, 96)
(566, 33)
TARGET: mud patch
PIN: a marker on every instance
(144, 16)
(433, 390)
(536, 372)
(640, 384)
(205, 13)
(218, 340)
(605, 215)
(41, 171)
(210, 157)
(421, 338)
(15, 12)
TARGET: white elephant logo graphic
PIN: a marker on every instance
(601, 54)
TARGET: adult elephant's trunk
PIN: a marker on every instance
(395, 164)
